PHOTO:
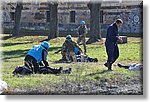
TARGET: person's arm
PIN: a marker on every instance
(120, 39)
(85, 30)
(78, 30)
(57, 51)
(44, 58)
(64, 47)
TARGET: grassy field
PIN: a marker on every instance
(86, 78)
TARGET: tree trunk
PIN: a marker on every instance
(53, 22)
(95, 27)
(18, 11)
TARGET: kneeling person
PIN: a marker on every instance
(37, 56)
(68, 49)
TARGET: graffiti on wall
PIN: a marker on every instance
(132, 21)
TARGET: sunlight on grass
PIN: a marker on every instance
(15, 48)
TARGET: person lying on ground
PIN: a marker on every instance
(80, 57)
(23, 70)
(131, 66)
(83, 57)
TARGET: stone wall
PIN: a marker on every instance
(34, 17)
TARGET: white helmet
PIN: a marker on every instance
(68, 37)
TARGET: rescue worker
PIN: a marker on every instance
(111, 43)
(68, 48)
(37, 56)
(82, 31)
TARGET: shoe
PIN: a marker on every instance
(68, 71)
(105, 65)
(95, 60)
(109, 66)
(60, 69)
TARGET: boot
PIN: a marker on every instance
(105, 65)
(109, 66)
(59, 70)
(67, 71)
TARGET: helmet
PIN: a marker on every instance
(82, 22)
(68, 37)
(45, 44)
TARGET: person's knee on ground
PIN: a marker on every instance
(41, 64)
(65, 56)
(73, 57)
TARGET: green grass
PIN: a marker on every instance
(15, 48)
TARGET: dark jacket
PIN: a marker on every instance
(112, 33)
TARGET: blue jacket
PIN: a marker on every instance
(112, 33)
(36, 52)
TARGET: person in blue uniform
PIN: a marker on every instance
(111, 43)
(37, 56)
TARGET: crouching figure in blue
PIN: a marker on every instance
(37, 56)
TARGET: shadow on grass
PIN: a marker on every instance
(21, 53)
(9, 36)
(14, 54)
(102, 72)
(6, 37)
(54, 48)
(11, 44)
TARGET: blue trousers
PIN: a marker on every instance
(112, 52)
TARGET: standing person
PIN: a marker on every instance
(111, 43)
(82, 31)
(37, 56)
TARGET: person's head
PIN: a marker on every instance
(45, 44)
(82, 23)
(119, 23)
(69, 37)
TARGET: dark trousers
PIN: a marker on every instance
(112, 52)
(82, 38)
(31, 62)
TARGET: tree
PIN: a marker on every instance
(53, 20)
(95, 27)
(18, 11)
